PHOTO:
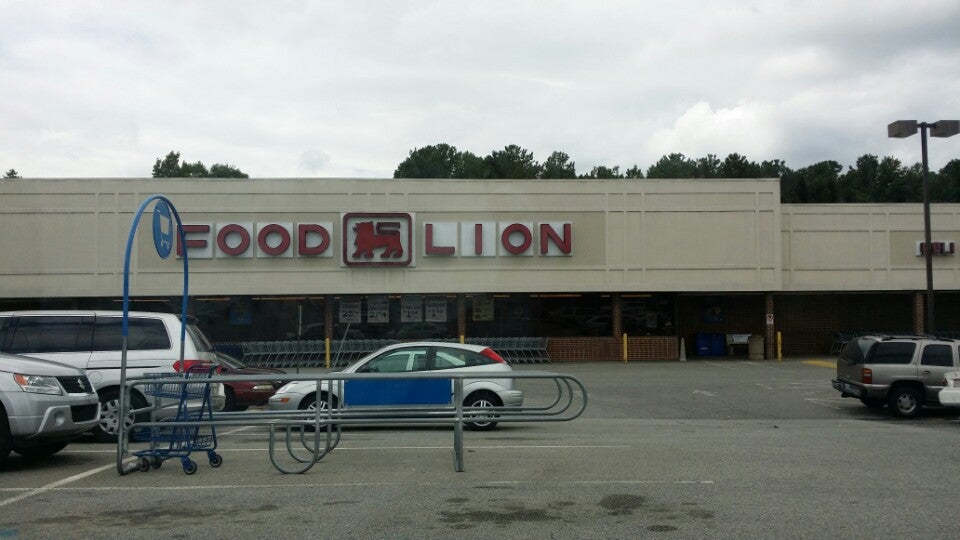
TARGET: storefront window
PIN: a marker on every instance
(404, 317)
(230, 319)
(648, 315)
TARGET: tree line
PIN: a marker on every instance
(171, 167)
(870, 179)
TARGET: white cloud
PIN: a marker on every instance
(748, 129)
(348, 88)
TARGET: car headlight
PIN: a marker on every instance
(285, 388)
(38, 384)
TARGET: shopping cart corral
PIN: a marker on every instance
(298, 439)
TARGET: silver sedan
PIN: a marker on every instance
(406, 358)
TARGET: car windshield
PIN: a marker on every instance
(230, 361)
(856, 350)
(199, 340)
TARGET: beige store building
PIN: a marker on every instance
(597, 267)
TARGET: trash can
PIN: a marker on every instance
(755, 347)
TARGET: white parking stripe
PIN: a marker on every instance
(824, 402)
(56, 484)
(359, 484)
(233, 431)
(374, 448)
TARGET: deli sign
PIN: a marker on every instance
(378, 239)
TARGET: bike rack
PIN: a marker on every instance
(291, 430)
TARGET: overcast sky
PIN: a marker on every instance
(347, 89)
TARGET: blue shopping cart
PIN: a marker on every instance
(179, 441)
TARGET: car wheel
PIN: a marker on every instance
(106, 431)
(481, 399)
(309, 403)
(905, 401)
(6, 440)
(41, 451)
(873, 403)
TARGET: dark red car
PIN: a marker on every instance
(241, 395)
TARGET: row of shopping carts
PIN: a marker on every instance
(308, 353)
(517, 350)
(313, 353)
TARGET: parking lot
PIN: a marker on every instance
(698, 449)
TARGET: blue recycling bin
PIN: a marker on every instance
(711, 344)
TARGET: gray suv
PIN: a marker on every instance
(904, 372)
(43, 406)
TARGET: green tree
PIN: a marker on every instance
(512, 162)
(775, 168)
(194, 170)
(708, 167)
(634, 172)
(898, 183)
(817, 183)
(434, 161)
(558, 165)
(945, 184)
(673, 166)
(601, 171)
(875, 180)
(470, 165)
(441, 161)
(170, 167)
(12, 173)
(737, 166)
(219, 170)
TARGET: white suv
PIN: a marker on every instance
(43, 406)
(92, 341)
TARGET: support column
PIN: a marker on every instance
(616, 315)
(770, 335)
(461, 315)
(328, 317)
(919, 313)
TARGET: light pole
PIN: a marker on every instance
(942, 128)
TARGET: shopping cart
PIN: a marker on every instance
(179, 441)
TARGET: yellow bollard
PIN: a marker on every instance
(625, 348)
(461, 339)
(326, 344)
(779, 347)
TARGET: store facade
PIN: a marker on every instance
(602, 268)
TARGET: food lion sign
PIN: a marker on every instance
(378, 239)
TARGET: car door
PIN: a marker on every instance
(935, 361)
(396, 391)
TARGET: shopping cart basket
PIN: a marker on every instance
(179, 441)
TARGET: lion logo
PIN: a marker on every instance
(383, 235)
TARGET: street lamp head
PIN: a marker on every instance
(902, 128)
(944, 128)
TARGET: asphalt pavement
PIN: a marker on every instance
(708, 448)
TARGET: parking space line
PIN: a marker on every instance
(824, 402)
(233, 431)
(314, 485)
(56, 484)
(368, 448)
